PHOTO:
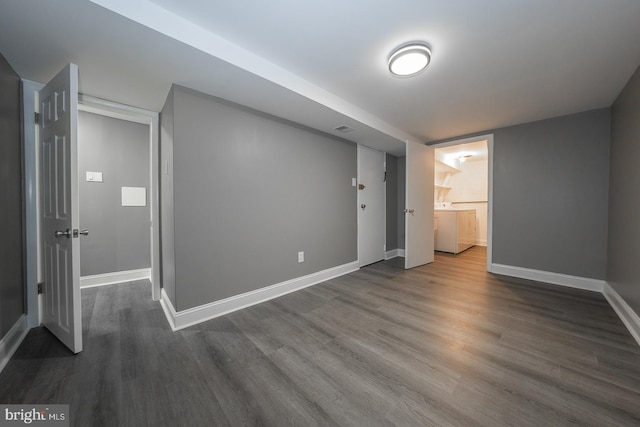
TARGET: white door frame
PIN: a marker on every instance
(33, 274)
(114, 110)
(489, 139)
(30, 91)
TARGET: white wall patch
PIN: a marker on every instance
(134, 196)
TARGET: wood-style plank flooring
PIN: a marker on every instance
(444, 344)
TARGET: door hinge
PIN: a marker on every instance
(40, 288)
(36, 117)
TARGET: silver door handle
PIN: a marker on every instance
(84, 232)
(411, 211)
(66, 233)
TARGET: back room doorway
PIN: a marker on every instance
(116, 147)
(463, 195)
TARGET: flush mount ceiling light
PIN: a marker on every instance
(409, 59)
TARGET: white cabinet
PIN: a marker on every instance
(456, 229)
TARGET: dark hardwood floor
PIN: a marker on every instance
(444, 344)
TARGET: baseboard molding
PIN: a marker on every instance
(548, 277)
(481, 243)
(12, 340)
(185, 318)
(169, 310)
(393, 253)
(629, 317)
(113, 278)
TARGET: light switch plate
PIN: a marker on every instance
(94, 176)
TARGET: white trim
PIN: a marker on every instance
(549, 277)
(113, 278)
(30, 191)
(630, 319)
(12, 340)
(394, 253)
(130, 113)
(169, 311)
(115, 110)
(182, 319)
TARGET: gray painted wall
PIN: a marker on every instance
(251, 191)
(12, 290)
(392, 202)
(402, 193)
(119, 236)
(623, 270)
(550, 194)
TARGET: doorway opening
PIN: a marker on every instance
(121, 206)
(463, 195)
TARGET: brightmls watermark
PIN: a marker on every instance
(34, 415)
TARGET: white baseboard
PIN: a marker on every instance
(113, 278)
(185, 318)
(12, 340)
(394, 253)
(629, 317)
(169, 311)
(548, 277)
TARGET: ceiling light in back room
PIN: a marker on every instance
(409, 59)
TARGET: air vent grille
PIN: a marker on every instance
(344, 129)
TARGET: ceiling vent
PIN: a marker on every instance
(344, 129)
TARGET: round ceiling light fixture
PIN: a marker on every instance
(409, 59)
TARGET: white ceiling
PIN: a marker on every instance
(323, 64)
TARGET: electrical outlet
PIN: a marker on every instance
(300, 256)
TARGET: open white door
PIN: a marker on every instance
(58, 158)
(419, 242)
(371, 206)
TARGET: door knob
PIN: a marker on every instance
(363, 206)
(66, 233)
(84, 232)
(411, 211)
(361, 186)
